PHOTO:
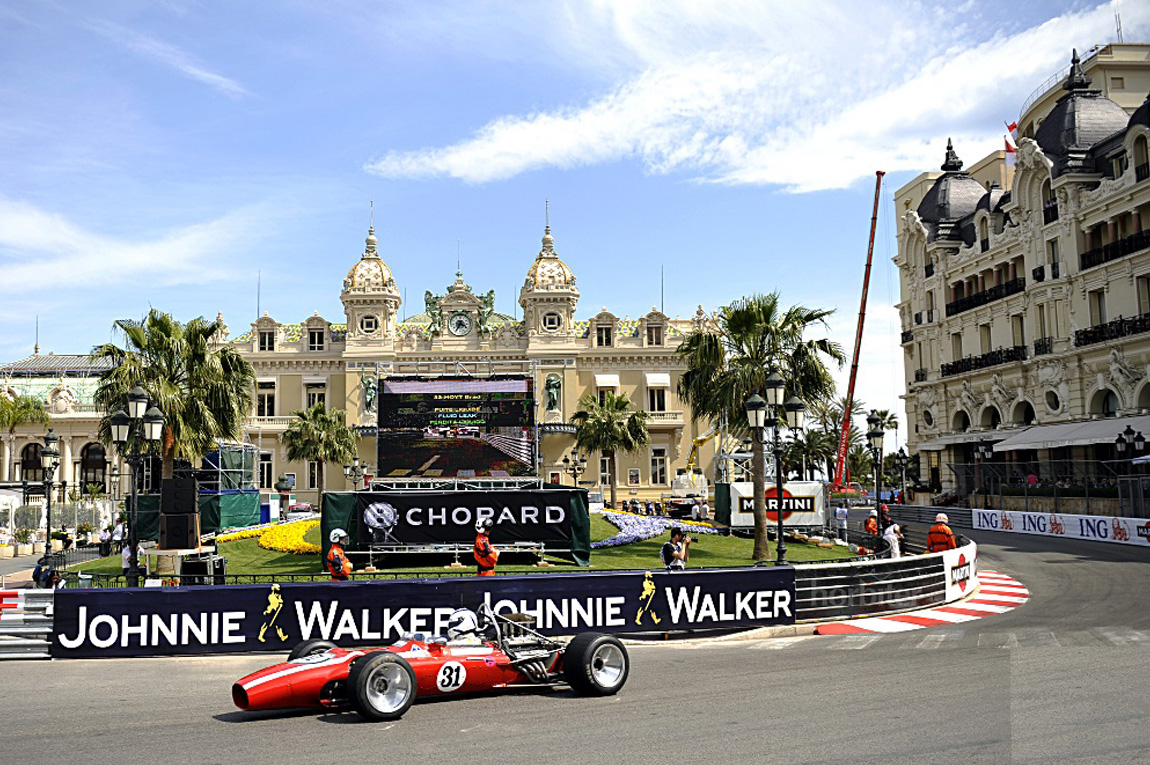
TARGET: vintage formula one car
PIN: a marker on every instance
(482, 653)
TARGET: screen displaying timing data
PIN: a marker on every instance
(456, 427)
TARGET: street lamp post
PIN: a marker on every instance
(574, 467)
(874, 439)
(283, 486)
(791, 412)
(355, 472)
(49, 461)
(142, 423)
(900, 462)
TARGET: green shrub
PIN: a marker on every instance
(23, 535)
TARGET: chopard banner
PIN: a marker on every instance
(190, 620)
(413, 518)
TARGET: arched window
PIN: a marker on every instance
(1141, 159)
(31, 467)
(984, 235)
(961, 422)
(1049, 203)
(1105, 403)
(1024, 414)
(990, 417)
(93, 464)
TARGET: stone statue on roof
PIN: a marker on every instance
(431, 307)
(486, 310)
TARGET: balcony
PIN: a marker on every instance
(1043, 346)
(997, 292)
(907, 336)
(989, 359)
(920, 375)
(1125, 246)
(1142, 172)
(930, 316)
(918, 318)
(1112, 330)
(665, 419)
(1049, 212)
(270, 423)
(1038, 274)
(928, 270)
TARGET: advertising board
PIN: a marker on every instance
(803, 504)
(961, 566)
(1096, 528)
(456, 427)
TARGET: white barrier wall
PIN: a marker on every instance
(961, 566)
(1097, 528)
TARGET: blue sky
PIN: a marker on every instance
(164, 153)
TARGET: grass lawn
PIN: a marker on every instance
(245, 556)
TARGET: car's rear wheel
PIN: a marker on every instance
(595, 664)
(308, 647)
(381, 686)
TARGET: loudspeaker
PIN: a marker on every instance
(180, 496)
(180, 531)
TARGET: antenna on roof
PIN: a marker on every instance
(372, 223)
(259, 277)
(547, 213)
(458, 249)
(36, 348)
(662, 292)
(1118, 25)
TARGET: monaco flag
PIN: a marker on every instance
(1010, 152)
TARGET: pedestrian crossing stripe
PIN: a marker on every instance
(996, 594)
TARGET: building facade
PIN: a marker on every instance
(1025, 290)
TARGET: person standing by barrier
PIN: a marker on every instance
(940, 537)
(884, 519)
(676, 552)
(842, 515)
(486, 556)
(338, 564)
(871, 524)
(893, 538)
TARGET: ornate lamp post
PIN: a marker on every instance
(792, 413)
(574, 467)
(355, 472)
(49, 461)
(900, 462)
(874, 439)
(284, 487)
(134, 432)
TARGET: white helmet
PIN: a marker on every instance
(484, 525)
(461, 623)
(874, 513)
(337, 535)
(941, 518)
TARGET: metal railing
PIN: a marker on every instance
(997, 292)
(1112, 330)
(1142, 171)
(920, 375)
(1049, 211)
(1038, 274)
(907, 336)
(1127, 245)
(868, 588)
(989, 359)
(1043, 346)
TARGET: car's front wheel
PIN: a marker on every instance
(595, 664)
(309, 647)
(381, 686)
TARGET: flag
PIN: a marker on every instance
(1010, 152)
(1012, 128)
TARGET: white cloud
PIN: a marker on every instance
(805, 96)
(169, 55)
(41, 251)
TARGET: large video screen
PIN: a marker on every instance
(456, 427)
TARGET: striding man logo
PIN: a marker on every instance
(275, 605)
(647, 601)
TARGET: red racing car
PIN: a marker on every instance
(382, 683)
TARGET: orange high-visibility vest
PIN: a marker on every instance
(338, 563)
(485, 555)
(940, 538)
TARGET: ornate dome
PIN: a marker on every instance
(548, 271)
(1141, 115)
(954, 195)
(1081, 118)
(370, 274)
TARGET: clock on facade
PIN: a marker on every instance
(459, 324)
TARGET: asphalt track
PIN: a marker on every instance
(1061, 678)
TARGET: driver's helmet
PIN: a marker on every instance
(484, 525)
(337, 536)
(462, 623)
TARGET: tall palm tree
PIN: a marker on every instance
(204, 390)
(814, 449)
(14, 412)
(319, 435)
(860, 462)
(730, 363)
(610, 427)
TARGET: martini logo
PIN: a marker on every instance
(960, 573)
(791, 504)
(1144, 531)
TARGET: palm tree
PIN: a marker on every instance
(730, 363)
(14, 412)
(815, 449)
(609, 427)
(319, 435)
(860, 462)
(204, 391)
(888, 420)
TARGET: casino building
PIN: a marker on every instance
(1025, 291)
(342, 360)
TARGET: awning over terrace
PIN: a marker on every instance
(942, 442)
(1073, 433)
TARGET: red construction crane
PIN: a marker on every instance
(841, 476)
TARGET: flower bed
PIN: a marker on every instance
(636, 528)
(288, 538)
(248, 533)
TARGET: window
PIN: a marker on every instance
(1143, 294)
(266, 472)
(266, 399)
(1097, 307)
(552, 321)
(31, 466)
(1117, 83)
(602, 336)
(1043, 330)
(267, 340)
(312, 474)
(1052, 251)
(605, 476)
(315, 339)
(603, 396)
(658, 467)
(1018, 330)
(316, 394)
(655, 335)
(93, 463)
(656, 399)
(956, 345)
(368, 324)
(984, 338)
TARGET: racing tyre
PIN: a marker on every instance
(308, 647)
(595, 664)
(381, 686)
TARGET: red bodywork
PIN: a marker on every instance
(320, 680)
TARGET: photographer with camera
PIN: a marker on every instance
(676, 552)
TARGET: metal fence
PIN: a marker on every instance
(868, 588)
(1071, 486)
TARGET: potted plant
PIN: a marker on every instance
(23, 539)
(84, 532)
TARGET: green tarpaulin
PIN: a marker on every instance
(723, 503)
(217, 511)
(148, 516)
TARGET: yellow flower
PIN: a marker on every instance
(289, 538)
